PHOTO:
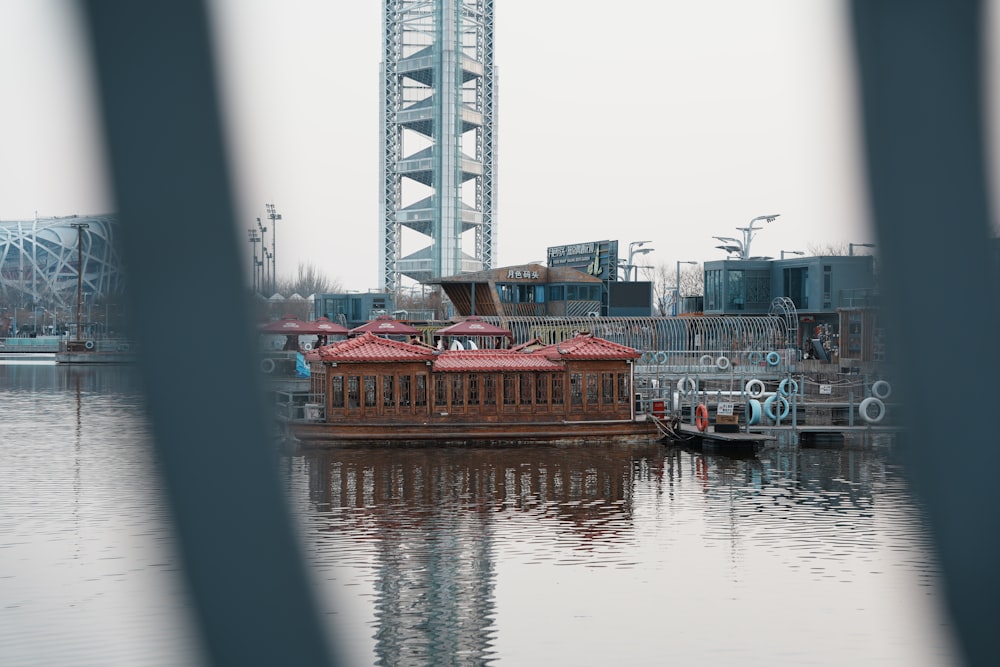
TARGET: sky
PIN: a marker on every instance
(667, 122)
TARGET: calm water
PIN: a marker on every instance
(539, 556)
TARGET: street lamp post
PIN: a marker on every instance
(791, 252)
(677, 287)
(635, 248)
(254, 239)
(852, 246)
(274, 254)
(263, 246)
(80, 226)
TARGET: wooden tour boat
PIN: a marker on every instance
(371, 390)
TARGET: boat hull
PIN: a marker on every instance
(563, 433)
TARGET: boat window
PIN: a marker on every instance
(457, 389)
(623, 390)
(526, 388)
(420, 391)
(388, 391)
(607, 388)
(509, 389)
(354, 391)
(440, 392)
(473, 380)
(576, 389)
(542, 389)
(404, 390)
(557, 389)
(337, 391)
(370, 391)
(489, 389)
(591, 388)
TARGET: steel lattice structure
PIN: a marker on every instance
(39, 259)
(438, 136)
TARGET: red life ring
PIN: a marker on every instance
(701, 417)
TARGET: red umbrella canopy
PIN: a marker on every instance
(291, 326)
(473, 326)
(323, 325)
(288, 325)
(383, 324)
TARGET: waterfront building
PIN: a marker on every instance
(438, 137)
(831, 299)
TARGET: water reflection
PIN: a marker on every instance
(433, 514)
(431, 534)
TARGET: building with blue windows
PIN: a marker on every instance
(832, 299)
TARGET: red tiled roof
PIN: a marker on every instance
(587, 346)
(369, 347)
(493, 360)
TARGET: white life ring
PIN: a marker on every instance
(773, 358)
(267, 365)
(769, 407)
(722, 363)
(686, 385)
(307, 346)
(755, 388)
(753, 411)
(881, 389)
(706, 360)
(661, 357)
(783, 387)
(89, 345)
(867, 403)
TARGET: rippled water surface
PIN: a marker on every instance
(535, 556)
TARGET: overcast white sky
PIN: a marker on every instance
(667, 121)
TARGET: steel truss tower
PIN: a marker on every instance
(438, 132)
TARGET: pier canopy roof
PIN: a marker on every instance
(587, 346)
(474, 326)
(369, 347)
(456, 361)
(384, 325)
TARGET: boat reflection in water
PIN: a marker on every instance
(469, 556)
(434, 514)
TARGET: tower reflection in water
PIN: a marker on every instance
(433, 513)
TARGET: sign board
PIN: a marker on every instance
(724, 409)
(596, 258)
(826, 389)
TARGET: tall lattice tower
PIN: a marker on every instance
(438, 131)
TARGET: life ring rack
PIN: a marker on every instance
(769, 407)
(863, 409)
(755, 388)
(881, 389)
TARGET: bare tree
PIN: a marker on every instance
(308, 280)
(665, 285)
(828, 249)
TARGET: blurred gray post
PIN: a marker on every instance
(189, 312)
(922, 107)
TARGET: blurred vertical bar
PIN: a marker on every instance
(922, 109)
(190, 315)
